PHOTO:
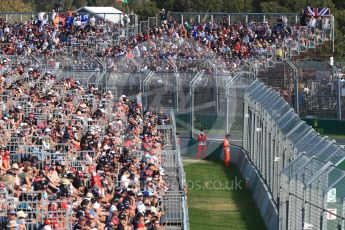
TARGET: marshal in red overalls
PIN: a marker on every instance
(201, 150)
(226, 147)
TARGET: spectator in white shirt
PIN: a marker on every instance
(92, 21)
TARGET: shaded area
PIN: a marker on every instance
(218, 199)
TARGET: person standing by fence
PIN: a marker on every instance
(201, 150)
(226, 147)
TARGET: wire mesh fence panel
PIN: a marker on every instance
(318, 89)
(256, 18)
(204, 94)
(172, 206)
(128, 84)
(298, 169)
(221, 19)
(152, 21)
(238, 18)
(144, 26)
(184, 93)
(160, 90)
(221, 93)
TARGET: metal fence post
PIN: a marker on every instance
(296, 85)
(192, 109)
(145, 87)
(342, 213)
(227, 108)
(332, 33)
(336, 74)
(215, 71)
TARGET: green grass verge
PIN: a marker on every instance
(214, 202)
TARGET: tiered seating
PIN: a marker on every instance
(74, 157)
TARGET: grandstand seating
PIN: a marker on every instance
(82, 150)
(74, 153)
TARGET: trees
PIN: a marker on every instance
(15, 6)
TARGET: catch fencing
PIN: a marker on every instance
(298, 165)
(200, 100)
(313, 88)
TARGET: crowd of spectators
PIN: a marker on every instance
(186, 46)
(77, 158)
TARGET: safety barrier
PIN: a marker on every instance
(293, 160)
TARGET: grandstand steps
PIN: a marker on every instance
(172, 200)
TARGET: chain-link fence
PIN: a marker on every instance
(209, 101)
(310, 87)
(294, 161)
(312, 195)
(182, 17)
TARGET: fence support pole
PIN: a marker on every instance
(342, 213)
(333, 34)
(145, 86)
(336, 74)
(215, 71)
(192, 108)
(295, 79)
(228, 85)
(176, 82)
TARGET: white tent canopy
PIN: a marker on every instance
(105, 13)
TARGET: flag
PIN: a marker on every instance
(316, 12)
(56, 20)
(324, 12)
(69, 20)
(62, 20)
(84, 18)
(59, 19)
